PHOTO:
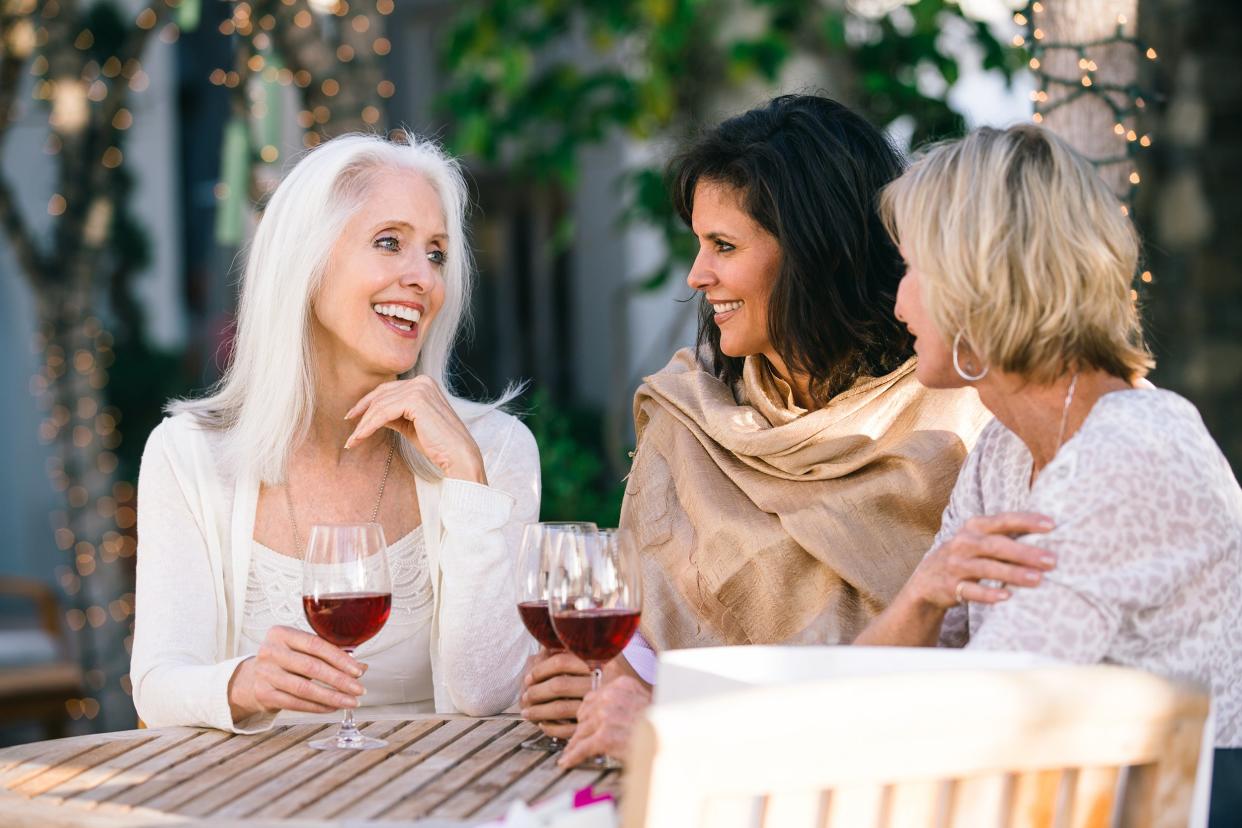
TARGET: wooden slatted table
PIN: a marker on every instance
(436, 771)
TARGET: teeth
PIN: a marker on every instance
(398, 312)
(725, 307)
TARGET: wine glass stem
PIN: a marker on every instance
(348, 728)
(597, 675)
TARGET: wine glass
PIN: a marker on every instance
(595, 597)
(346, 595)
(532, 596)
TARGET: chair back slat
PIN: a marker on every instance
(919, 803)
(980, 799)
(853, 804)
(804, 808)
(1093, 796)
(1036, 799)
(1027, 748)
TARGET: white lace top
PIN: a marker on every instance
(1148, 541)
(196, 541)
(398, 658)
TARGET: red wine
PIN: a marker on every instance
(538, 620)
(596, 635)
(347, 619)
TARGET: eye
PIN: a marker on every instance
(437, 257)
(390, 243)
(723, 246)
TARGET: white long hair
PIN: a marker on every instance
(266, 398)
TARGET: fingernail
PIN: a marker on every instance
(1031, 577)
(1048, 560)
(357, 671)
(1045, 523)
(1004, 595)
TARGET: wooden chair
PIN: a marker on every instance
(37, 689)
(1048, 746)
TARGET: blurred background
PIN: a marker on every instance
(138, 139)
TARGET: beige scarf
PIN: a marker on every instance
(761, 523)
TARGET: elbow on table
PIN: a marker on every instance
(482, 701)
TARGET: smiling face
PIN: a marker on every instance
(737, 266)
(384, 283)
(935, 365)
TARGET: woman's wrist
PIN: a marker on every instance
(242, 703)
(469, 469)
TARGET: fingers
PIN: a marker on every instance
(315, 646)
(559, 730)
(557, 687)
(554, 711)
(276, 686)
(378, 414)
(362, 404)
(319, 670)
(984, 568)
(580, 748)
(977, 593)
(1010, 523)
(278, 700)
(562, 663)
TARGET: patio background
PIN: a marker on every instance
(129, 193)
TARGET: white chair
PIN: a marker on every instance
(1044, 746)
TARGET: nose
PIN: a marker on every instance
(420, 274)
(903, 289)
(701, 276)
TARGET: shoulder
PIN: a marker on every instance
(182, 443)
(177, 435)
(1145, 430)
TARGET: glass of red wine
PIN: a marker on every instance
(346, 595)
(532, 596)
(595, 597)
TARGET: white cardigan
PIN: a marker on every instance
(195, 535)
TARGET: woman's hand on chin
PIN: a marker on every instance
(983, 550)
(418, 410)
(283, 676)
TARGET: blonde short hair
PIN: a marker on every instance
(1024, 252)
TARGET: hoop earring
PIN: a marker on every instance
(957, 366)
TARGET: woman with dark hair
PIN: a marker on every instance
(791, 470)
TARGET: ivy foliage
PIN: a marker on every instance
(533, 82)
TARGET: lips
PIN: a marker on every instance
(723, 310)
(401, 318)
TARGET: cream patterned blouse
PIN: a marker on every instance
(1148, 541)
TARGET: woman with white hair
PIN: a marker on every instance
(1096, 520)
(335, 409)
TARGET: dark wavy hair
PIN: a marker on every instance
(809, 171)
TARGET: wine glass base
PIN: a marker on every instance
(357, 742)
(544, 742)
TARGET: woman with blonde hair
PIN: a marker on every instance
(1096, 520)
(335, 409)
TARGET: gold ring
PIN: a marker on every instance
(958, 592)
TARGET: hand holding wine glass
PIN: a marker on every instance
(595, 596)
(295, 671)
(538, 540)
(347, 595)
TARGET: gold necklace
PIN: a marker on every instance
(297, 538)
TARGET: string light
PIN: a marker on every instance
(1124, 100)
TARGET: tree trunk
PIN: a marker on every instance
(1085, 119)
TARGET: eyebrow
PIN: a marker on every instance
(407, 226)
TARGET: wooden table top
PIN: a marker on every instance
(436, 771)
